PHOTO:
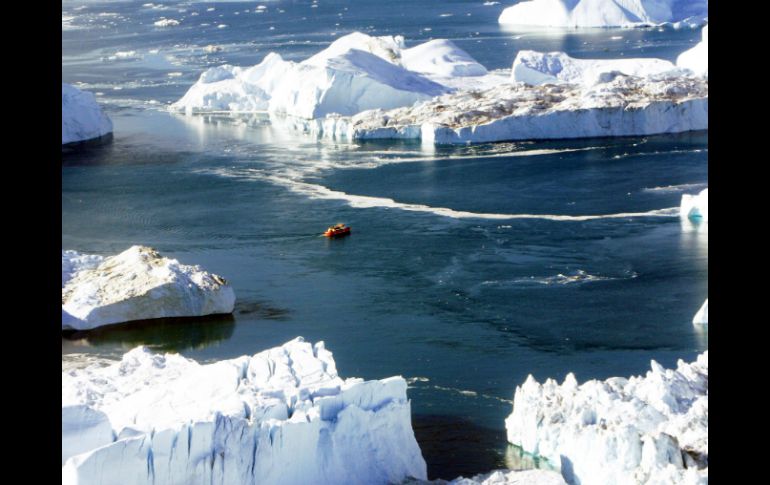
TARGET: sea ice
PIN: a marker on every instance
(81, 117)
(651, 429)
(282, 416)
(695, 206)
(137, 284)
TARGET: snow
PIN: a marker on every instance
(695, 206)
(441, 57)
(702, 316)
(81, 117)
(651, 429)
(605, 13)
(697, 58)
(282, 416)
(137, 284)
(73, 261)
(540, 68)
(619, 106)
(501, 477)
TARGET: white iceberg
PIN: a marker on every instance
(81, 117)
(651, 429)
(282, 416)
(695, 206)
(138, 284)
(441, 57)
(605, 13)
(164, 22)
(73, 261)
(540, 68)
(702, 317)
(618, 106)
(697, 58)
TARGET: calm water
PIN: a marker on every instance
(465, 308)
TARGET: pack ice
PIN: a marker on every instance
(137, 284)
(81, 117)
(651, 429)
(282, 416)
(605, 13)
(695, 206)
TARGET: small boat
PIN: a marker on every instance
(338, 230)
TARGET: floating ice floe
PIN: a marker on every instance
(501, 477)
(165, 22)
(651, 429)
(540, 68)
(282, 416)
(697, 58)
(605, 13)
(137, 284)
(619, 106)
(81, 117)
(695, 206)
(702, 317)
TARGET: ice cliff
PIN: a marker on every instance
(651, 429)
(282, 416)
(81, 117)
(137, 284)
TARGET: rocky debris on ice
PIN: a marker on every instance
(73, 261)
(282, 416)
(697, 58)
(356, 72)
(542, 68)
(81, 117)
(702, 317)
(138, 284)
(606, 13)
(618, 105)
(501, 477)
(695, 206)
(651, 429)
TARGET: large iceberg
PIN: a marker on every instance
(356, 72)
(282, 416)
(137, 284)
(695, 206)
(605, 13)
(651, 429)
(697, 58)
(702, 317)
(81, 117)
(617, 105)
(541, 68)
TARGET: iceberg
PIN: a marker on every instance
(697, 58)
(81, 117)
(619, 105)
(137, 284)
(702, 317)
(605, 13)
(282, 416)
(651, 429)
(695, 206)
(541, 68)
(442, 58)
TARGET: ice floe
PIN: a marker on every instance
(695, 206)
(702, 316)
(697, 58)
(137, 284)
(282, 416)
(164, 22)
(605, 13)
(651, 429)
(81, 117)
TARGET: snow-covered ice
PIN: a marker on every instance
(540, 68)
(81, 117)
(697, 58)
(605, 13)
(282, 416)
(702, 316)
(137, 284)
(695, 206)
(651, 429)
(441, 57)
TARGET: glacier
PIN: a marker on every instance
(606, 13)
(645, 429)
(695, 206)
(702, 317)
(281, 416)
(81, 117)
(137, 284)
(697, 58)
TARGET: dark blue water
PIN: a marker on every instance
(470, 305)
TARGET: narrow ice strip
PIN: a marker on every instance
(650, 429)
(282, 416)
(81, 117)
(702, 317)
